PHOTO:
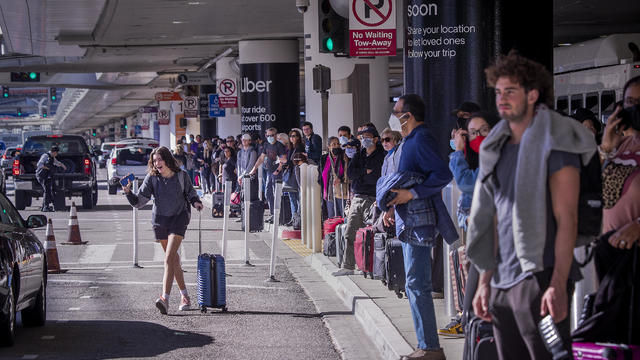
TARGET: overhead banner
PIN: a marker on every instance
(372, 28)
(269, 97)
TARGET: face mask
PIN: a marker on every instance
(350, 152)
(336, 151)
(343, 140)
(281, 142)
(271, 140)
(394, 122)
(452, 143)
(367, 142)
(475, 143)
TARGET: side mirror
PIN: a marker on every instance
(36, 221)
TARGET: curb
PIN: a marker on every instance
(376, 324)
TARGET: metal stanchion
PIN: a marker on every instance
(246, 213)
(450, 200)
(304, 224)
(588, 285)
(225, 216)
(276, 217)
(316, 210)
(135, 228)
(260, 178)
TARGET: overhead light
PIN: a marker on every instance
(565, 44)
(213, 60)
(176, 22)
(194, 3)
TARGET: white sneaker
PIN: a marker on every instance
(185, 304)
(162, 305)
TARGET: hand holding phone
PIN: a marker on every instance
(126, 180)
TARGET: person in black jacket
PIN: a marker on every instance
(44, 174)
(364, 170)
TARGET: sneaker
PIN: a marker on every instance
(343, 272)
(420, 354)
(269, 220)
(162, 305)
(453, 329)
(437, 295)
(185, 304)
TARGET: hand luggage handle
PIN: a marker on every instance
(199, 232)
(634, 263)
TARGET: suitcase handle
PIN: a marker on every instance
(199, 232)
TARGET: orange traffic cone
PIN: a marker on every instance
(53, 264)
(74, 230)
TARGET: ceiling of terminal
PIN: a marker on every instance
(140, 45)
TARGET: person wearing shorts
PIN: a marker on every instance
(173, 196)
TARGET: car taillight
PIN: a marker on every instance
(16, 167)
(113, 161)
(87, 166)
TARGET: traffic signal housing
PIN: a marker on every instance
(53, 96)
(5, 92)
(45, 112)
(333, 30)
(25, 76)
(93, 132)
(19, 111)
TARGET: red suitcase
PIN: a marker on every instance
(597, 351)
(329, 225)
(363, 250)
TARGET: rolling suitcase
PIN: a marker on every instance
(379, 251)
(285, 210)
(329, 225)
(598, 351)
(217, 211)
(329, 245)
(456, 281)
(211, 278)
(340, 242)
(363, 250)
(256, 216)
(479, 342)
(394, 266)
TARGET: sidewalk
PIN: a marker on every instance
(385, 319)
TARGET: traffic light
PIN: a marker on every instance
(19, 111)
(44, 112)
(52, 94)
(25, 77)
(333, 30)
(5, 92)
(93, 132)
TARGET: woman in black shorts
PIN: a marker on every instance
(173, 195)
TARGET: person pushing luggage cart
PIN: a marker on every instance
(173, 195)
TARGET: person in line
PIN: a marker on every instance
(463, 163)
(231, 142)
(247, 157)
(274, 157)
(228, 171)
(587, 118)
(181, 156)
(173, 195)
(419, 156)
(526, 194)
(195, 150)
(463, 113)
(312, 142)
(363, 172)
(344, 135)
(44, 174)
(296, 146)
(283, 139)
(205, 167)
(332, 178)
(391, 144)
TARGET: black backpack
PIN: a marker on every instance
(590, 200)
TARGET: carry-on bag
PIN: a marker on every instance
(603, 351)
(456, 280)
(379, 251)
(329, 245)
(256, 216)
(329, 225)
(363, 250)
(479, 343)
(285, 210)
(340, 243)
(211, 278)
(394, 266)
(217, 210)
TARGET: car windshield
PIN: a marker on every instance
(106, 147)
(133, 156)
(67, 146)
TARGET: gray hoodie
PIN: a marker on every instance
(548, 131)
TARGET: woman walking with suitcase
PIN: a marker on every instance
(173, 195)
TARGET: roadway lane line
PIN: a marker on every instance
(158, 252)
(97, 254)
(76, 281)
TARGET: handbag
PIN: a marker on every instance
(340, 190)
(235, 198)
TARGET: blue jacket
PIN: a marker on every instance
(313, 147)
(420, 220)
(466, 181)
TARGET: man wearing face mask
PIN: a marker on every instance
(272, 152)
(363, 171)
(344, 135)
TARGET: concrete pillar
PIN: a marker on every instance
(226, 70)
(269, 85)
(449, 43)
(359, 86)
(165, 137)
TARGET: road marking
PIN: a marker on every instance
(74, 309)
(66, 281)
(158, 252)
(48, 337)
(85, 297)
(94, 287)
(109, 269)
(183, 254)
(97, 254)
(237, 253)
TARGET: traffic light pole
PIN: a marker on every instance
(325, 116)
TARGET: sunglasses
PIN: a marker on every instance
(386, 139)
(294, 135)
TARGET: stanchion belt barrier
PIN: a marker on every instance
(225, 216)
(135, 227)
(277, 202)
(246, 215)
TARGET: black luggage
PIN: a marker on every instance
(379, 251)
(340, 243)
(329, 245)
(394, 266)
(479, 342)
(211, 278)
(256, 216)
(285, 210)
(217, 210)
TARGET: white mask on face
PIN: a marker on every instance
(394, 122)
(343, 140)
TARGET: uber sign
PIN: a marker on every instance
(197, 78)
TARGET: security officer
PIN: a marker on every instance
(44, 174)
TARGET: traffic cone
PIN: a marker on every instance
(53, 264)
(74, 230)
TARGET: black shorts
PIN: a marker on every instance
(176, 225)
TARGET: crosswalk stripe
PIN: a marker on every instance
(97, 254)
(158, 253)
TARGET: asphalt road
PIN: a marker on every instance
(103, 307)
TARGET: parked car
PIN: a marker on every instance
(127, 160)
(23, 271)
(104, 156)
(7, 159)
(79, 179)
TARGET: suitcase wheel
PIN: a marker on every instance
(398, 294)
(384, 282)
(224, 309)
(364, 274)
(203, 309)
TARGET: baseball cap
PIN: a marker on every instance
(466, 106)
(370, 130)
(55, 148)
(352, 142)
(246, 137)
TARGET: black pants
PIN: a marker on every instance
(437, 271)
(516, 314)
(47, 188)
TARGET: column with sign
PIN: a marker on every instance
(372, 28)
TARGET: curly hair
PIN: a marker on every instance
(528, 73)
(168, 159)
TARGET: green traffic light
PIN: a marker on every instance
(328, 44)
(44, 115)
(53, 97)
(126, 127)
(5, 95)
(32, 75)
(19, 114)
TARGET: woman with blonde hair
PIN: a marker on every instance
(173, 196)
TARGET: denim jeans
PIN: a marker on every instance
(338, 211)
(417, 265)
(294, 200)
(270, 188)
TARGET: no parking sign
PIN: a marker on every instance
(372, 28)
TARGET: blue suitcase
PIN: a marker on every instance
(211, 278)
